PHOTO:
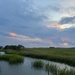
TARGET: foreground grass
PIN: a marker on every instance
(52, 69)
(12, 58)
(63, 55)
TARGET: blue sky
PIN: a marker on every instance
(37, 23)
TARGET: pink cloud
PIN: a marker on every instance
(12, 34)
(65, 44)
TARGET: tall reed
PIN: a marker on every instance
(57, 71)
(38, 64)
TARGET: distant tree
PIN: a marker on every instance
(51, 47)
(14, 47)
(6, 47)
(1, 47)
(20, 47)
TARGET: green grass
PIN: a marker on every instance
(66, 72)
(54, 70)
(38, 64)
(12, 58)
(63, 55)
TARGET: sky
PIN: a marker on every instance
(37, 23)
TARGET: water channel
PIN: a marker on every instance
(25, 68)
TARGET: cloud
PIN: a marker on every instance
(12, 34)
(55, 25)
(30, 40)
(37, 23)
(69, 40)
(27, 17)
(68, 20)
(64, 44)
(59, 26)
(23, 38)
(64, 39)
(54, 40)
(67, 8)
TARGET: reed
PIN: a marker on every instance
(38, 64)
(54, 70)
(66, 72)
(51, 69)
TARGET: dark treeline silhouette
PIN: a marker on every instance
(14, 47)
(1, 47)
(51, 47)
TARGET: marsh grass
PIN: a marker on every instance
(38, 64)
(16, 59)
(63, 55)
(51, 69)
(12, 58)
(66, 72)
(47, 68)
(54, 70)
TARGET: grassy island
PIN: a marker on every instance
(12, 58)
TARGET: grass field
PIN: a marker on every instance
(63, 55)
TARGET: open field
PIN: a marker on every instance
(63, 55)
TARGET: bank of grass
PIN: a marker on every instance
(12, 58)
(63, 55)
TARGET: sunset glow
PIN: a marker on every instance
(12, 34)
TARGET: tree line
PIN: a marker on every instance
(14, 47)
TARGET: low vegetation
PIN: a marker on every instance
(51, 69)
(54, 70)
(12, 58)
(38, 64)
(63, 55)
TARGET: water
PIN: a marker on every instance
(25, 68)
(1, 53)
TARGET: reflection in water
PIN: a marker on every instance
(52, 69)
(0, 69)
(1, 53)
(47, 69)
